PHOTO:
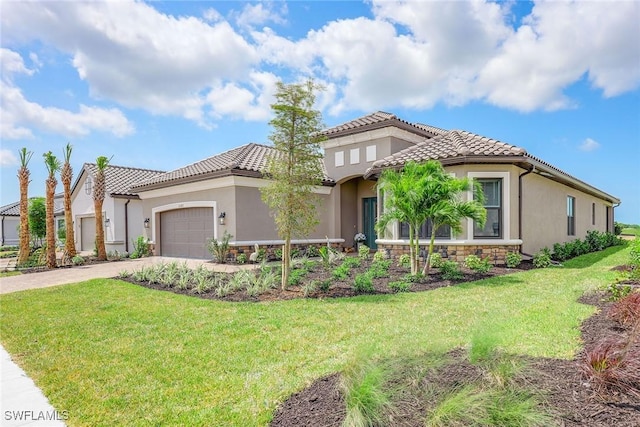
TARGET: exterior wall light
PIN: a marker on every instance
(221, 217)
(146, 223)
(107, 221)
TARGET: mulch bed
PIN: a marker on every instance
(568, 396)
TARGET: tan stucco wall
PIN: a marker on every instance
(544, 212)
(255, 221)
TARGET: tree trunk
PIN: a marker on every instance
(102, 253)
(70, 242)
(286, 262)
(23, 254)
(427, 265)
(412, 254)
(50, 224)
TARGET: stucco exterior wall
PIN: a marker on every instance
(82, 207)
(9, 229)
(544, 213)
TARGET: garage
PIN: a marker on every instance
(185, 232)
(88, 233)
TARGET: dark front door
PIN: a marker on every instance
(369, 217)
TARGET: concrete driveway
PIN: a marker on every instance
(63, 276)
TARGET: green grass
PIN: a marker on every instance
(9, 273)
(113, 353)
(631, 231)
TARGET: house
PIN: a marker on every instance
(188, 206)
(10, 221)
(122, 209)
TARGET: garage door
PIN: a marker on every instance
(88, 233)
(185, 232)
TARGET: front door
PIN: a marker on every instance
(369, 217)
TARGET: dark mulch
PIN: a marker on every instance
(568, 396)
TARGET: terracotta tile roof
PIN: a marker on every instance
(12, 209)
(120, 179)
(378, 120)
(450, 144)
(248, 160)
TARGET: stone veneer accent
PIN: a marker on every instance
(496, 253)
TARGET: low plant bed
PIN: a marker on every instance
(315, 280)
(553, 391)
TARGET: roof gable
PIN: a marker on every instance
(379, 120)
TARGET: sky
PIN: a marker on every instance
(160, 85)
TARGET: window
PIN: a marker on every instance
(354, 156)
(492, 229)
(371, 153)
(593, 214)
(444, 232)
(571, 216)
(339, 158)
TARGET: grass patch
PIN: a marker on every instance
(114, 353)
(631, 231)
(9, 273)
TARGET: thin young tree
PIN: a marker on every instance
(295, 168)
(99, 190)
(66, 176)
(23, 179)
(53, 165)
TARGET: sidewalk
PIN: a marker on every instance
(21, 402)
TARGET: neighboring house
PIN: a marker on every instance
(10, 221)
(10, 224)
(188, 206)
(122, 209)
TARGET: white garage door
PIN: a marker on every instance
(88, 234)
(185, 232)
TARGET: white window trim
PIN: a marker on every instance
(506, 203)
(371, 153)
(354, 156)
(339, 158)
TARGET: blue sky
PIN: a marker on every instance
(163, 84)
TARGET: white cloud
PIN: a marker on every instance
(11, 63)
(7, 158)
(589, 145)
(261, 13)
(236, 101)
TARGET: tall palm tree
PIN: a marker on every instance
(99, 190)
(66, 175)
(53, 166)
(23, 179)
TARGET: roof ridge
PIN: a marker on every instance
(127, 167)
(459, 143)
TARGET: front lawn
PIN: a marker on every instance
(115, 353)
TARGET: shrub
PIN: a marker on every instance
(241, 258)
(561, 252)
(363, 283)
(617, 291)
(617, 228)
(296, 276)
(611, 369)
(436, 260)
(140, 247)
(595, 240)
(634, 253)
(379, 256)
(542, 259)
(77, 260)
(513, 259)
(352, 262)
(399, 286)
(404, 261)
(379, 269)
(312, 251)
(219, 249)
(477, 264)
(627, 310)
(451, 271)
(341, 272)
(363, 251)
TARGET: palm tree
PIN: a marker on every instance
(53, 166)
(403, 192)
(444, 204)
(424, 191)
(66, 175)
(99, 190)
(23, 179)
